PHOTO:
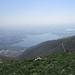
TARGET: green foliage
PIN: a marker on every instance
(56, 64)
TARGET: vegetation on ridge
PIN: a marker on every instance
(56, 64)
(50, 47)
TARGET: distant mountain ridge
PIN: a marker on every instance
(50, 47)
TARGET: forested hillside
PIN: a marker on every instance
(50, 47)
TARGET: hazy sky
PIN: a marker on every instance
(37, 12)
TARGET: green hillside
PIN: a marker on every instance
(50, 47)
(56, 64)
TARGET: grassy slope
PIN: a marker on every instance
(56, 64)
(50, 47)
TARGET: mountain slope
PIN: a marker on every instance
(50, 47)
(56, 64)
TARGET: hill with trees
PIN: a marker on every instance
(50, 47)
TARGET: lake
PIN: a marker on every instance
(32, 40)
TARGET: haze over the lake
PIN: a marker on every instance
(33, 13)
(26, 23)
